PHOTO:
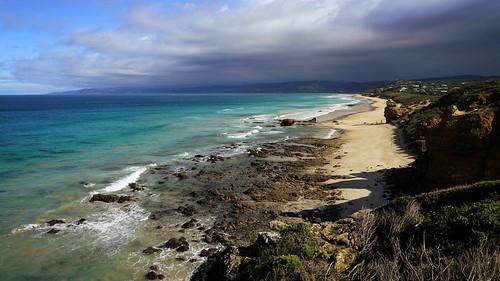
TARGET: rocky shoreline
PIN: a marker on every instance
(215, 201)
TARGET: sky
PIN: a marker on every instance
(57, 45)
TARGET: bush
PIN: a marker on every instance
(298, 239)
(459, 228)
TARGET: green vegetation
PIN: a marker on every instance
(447, 235)
(298, 255)
(412, 126)
(406, 98)
(297, 239)
(459, 228)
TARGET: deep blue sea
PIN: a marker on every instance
(55, 150)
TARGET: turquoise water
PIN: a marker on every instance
(55, 150)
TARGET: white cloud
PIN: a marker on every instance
(255, 40)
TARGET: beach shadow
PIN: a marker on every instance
(379, 187)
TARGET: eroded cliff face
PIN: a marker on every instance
(458, 137)
(394, 111)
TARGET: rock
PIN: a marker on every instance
(173, 243)
(135, 187)
(151, 275)
(191, 223)
(267, 238)
(54, 222)
(208, 252)
(458, 139)
(110, 198)
(151, 250)
(344, 259)
(182, 175)
(187, 210)
(53, 231)
(212, 236)
(183, 248)
(394, 111)
(287, 122)
(80, 221)
(342, 239)
(154, 267)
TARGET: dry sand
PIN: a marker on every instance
(369, 147)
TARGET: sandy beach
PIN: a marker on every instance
(369, 147)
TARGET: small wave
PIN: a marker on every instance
(243, 135)
(88, 184)
(330, 134)
(273, 132)
(183, 155)
(130, 178)
(307, 115)
(259, 118)
(228, 110)
(25, 227)
(111, 228)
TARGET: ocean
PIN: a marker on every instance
(57, 150)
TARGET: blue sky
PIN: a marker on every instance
(69, 44)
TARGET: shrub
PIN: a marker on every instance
(459, 228)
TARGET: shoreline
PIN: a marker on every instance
(220, 201)
(370, 147)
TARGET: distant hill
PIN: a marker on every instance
(281, 87)
(278, 87)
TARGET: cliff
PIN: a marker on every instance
(457, 137)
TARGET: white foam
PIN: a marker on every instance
(307, 115)
(330, 134)
(243, 135)
(273, 132)
(25, 227)
(229, 110)
(183, 155)
(130, 178)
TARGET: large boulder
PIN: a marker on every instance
(394, 111)
(287, 122)
(223, 265)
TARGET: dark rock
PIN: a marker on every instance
(187, 210)
(208, 252)
(183, 248)
(151, 250)
(110, 198)
(173, 243)
(154, 276)
(80, 221)
(182, 175)
(191, 223)
(53, 231)
(287, 122)
(224, 265)
(213, 236)
(54, 222)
